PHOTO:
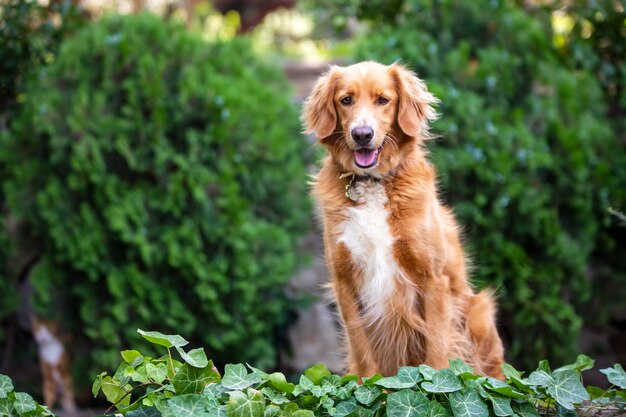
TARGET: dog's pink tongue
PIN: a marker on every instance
(365, 157)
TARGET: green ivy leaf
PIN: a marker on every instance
(279, 382)
(367, 394)
(262, 374)
(595, 392)
(274, 396)
(272, 411)
(407, 377)
(250, 404)
(130, 355)
(525, 410)
(309, 401)
(510, 371)
(190, 380)
(407, 403)
(582, 363)
(304, 385)
(156, 373)
(366, 381)
(316, 372)
(616, 375)
(195, 357)
(189, 405)
(544, 366)
(289, 409)
(468, 403)
(144, 412)
(24, 403)
(501, 405)
(567, 389)
(346, 391)
(363, 412)
(214, 391)
(443, 380)
(114, 392)
(515, 376)
(122, 374)
(427, 371)
(6, 407)
(461, 369)
(163, 339)
(437, 410)
(97, 384)
(236, 377)
(344, 408)
(303, 413)
(139, 374)
(6, 386)
(540, 378)
(349, 378)
(503, 388)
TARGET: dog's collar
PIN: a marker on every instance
(349, 192)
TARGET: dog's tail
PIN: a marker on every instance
(481, 319)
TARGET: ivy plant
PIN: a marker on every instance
(18, 403)
(184, 383)
(190, 385)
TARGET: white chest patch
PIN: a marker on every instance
(50, 348)
(366, 234)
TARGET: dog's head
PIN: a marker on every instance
(366, 113)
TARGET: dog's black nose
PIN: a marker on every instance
(362, 134)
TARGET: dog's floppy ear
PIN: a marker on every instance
(319, 115)
(415, 107)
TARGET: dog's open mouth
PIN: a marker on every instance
(367, 158)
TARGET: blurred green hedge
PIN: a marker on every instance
(163, 180)
(30, 35)
(527, 157)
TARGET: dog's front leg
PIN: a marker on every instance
(437, 310)
(360, 358)
(433, 314)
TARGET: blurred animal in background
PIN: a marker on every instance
(47, 332)
(55, 364)
(397, 266)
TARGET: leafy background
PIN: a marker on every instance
(157, 191)
(153, 175)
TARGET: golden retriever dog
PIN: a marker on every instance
(397, 267)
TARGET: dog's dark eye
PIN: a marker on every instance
(383, 100)
(346, 101)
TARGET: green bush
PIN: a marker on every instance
(164, 180)
(525, 159)
(30, 35)
(596, 42)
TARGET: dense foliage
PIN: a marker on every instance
(30, 35)
(594, 39)
(162, 179)
(164, 386)
(528, 159)
(145, 386)
(13, 404)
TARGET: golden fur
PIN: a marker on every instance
(414, 305)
